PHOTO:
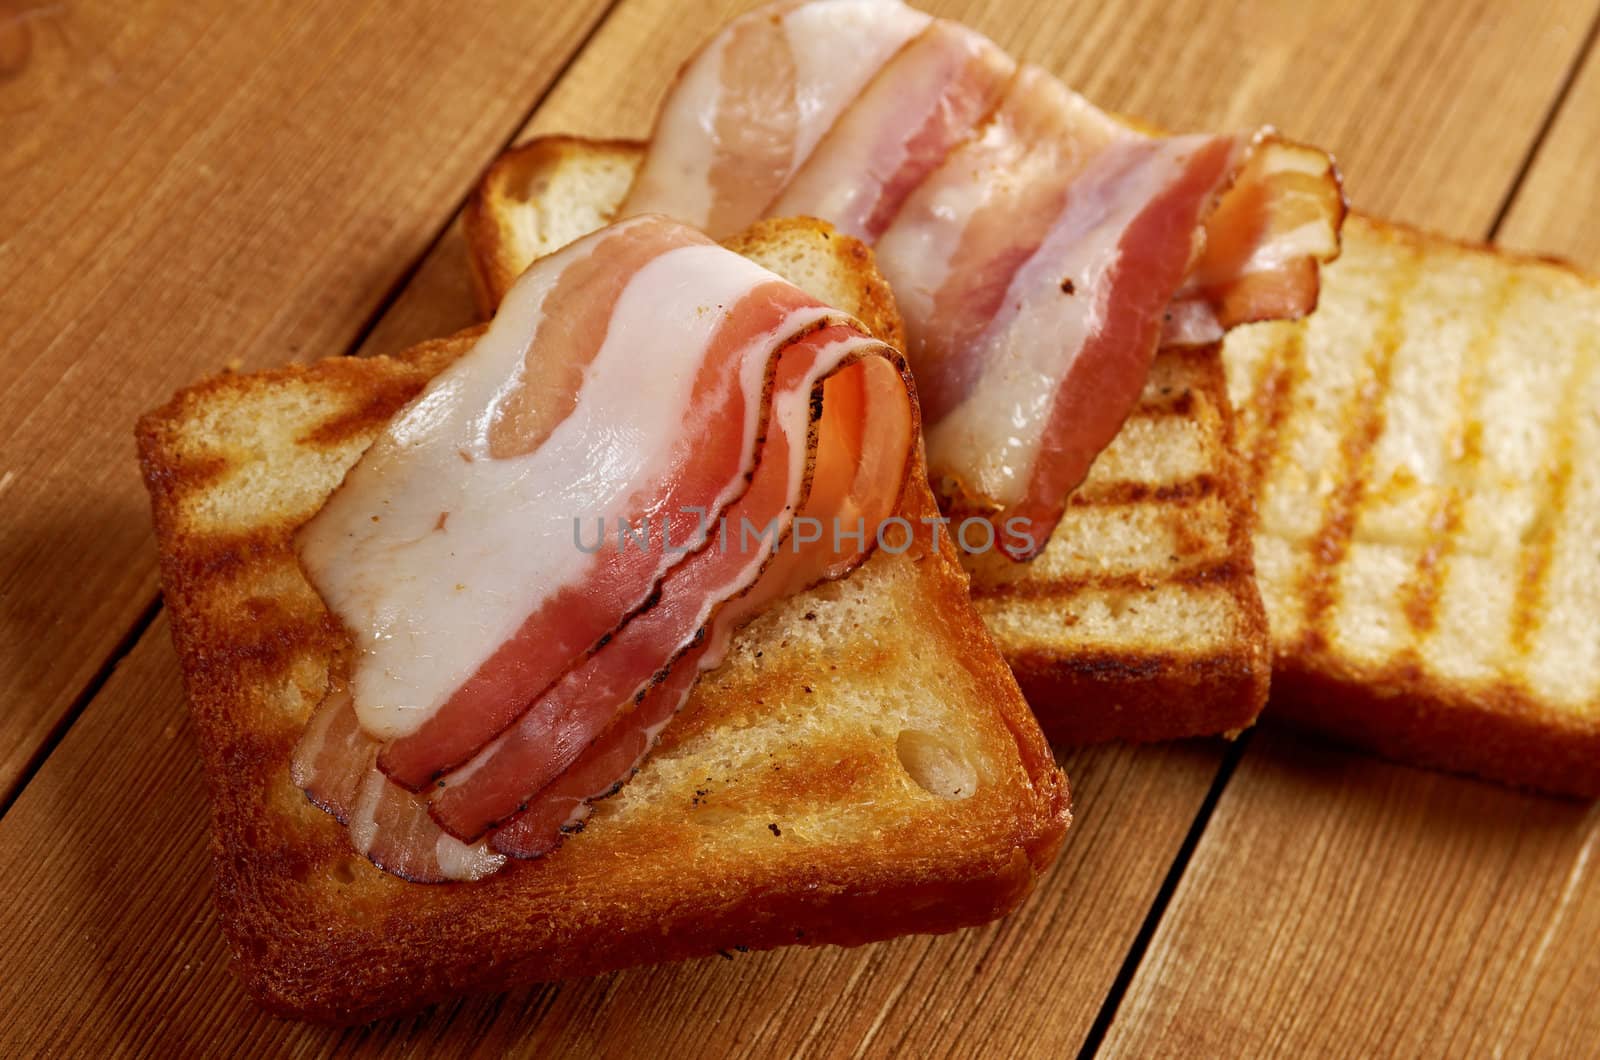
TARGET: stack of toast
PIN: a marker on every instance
(862, 766)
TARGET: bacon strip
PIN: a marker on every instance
(600, 769)
(755, 362)
(386, 823)
(955, 247)
(496, 600)
(546, 739)
(750, 106)
(865, 438)
(1265, 243)
(714, 452)
(1061, 368)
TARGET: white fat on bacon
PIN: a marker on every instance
(752, 104)
(922, 103)
(489, 647)
(954, 246)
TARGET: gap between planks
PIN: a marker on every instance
(1586, 51)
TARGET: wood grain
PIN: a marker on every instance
(1338, 905)
(185, 186)
(114, 912)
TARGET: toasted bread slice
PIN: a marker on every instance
(861, 766)
(1141, 620)
(1427, 459)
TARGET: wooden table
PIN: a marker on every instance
(192, 184)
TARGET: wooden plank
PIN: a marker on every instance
(107, 893)
(122, 925)
(1557, 209)
(1338, 905)
(1401, 93)
(187, 185)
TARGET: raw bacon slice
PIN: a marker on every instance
(750, 106)
(1041, 265)
(865, 441)
(549, 735)
(1065, 359)
(386, 823)
(600, 770)
(956, 245)
(1265, 244)
(921, 104)
(968, 202)
(772, 404)
(449, 550)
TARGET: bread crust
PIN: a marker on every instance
(491, 246)
(320, 934)
(1493, 730)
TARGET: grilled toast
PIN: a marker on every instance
(861, 766)
(1424, 455)
(1141, 619)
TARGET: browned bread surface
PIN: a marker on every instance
(1426, 455)
(1141, 620)
(862, 765)
(565, 188)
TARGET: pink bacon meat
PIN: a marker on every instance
(700, 458)
(499, 782)
(921, 104)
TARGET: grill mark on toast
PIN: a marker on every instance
(376, 410)
(1223, 571)
(1128, 492)
(1166, 405)
(1271, 400)
(1419, 598)
(1364, 424)
(233, 554)
(1533, 562)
